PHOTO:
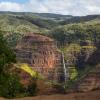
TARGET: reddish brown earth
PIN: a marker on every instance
(41, 53)
(94, 95)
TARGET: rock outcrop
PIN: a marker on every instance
(41, 53)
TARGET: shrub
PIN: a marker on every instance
(10, 86)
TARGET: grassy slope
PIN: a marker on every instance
(25, 67)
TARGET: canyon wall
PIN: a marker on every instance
(41, 53)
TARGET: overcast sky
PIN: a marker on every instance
(66, 7)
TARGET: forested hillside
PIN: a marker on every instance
(62, 27)
(40, 22)
(76, 33)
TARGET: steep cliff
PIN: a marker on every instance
(70, 62)
(41, 53)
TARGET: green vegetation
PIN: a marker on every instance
(28, 69)
(63, 28)
(25, 67)
(74, 35)
(73, 73)
(23, 23)
(10, 85)
(13, 38)
(6, 56)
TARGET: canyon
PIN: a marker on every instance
(43, 56)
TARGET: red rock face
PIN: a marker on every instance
(41, 53)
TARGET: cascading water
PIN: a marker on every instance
(66, 73)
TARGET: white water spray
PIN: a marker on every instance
(66, 74)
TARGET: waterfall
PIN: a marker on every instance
(66, 73)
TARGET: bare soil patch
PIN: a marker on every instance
(94, 95)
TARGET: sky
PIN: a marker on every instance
(66, 7)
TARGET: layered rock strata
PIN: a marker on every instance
(41, 53)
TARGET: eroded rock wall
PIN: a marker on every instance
(41, 53)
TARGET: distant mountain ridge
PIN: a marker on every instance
(79, 19)
(50, 15)
(38, 22)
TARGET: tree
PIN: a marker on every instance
(10, 86)
(9, 83)
(13, 39)
(7, 55)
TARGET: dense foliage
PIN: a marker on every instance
(13, 38)
(22, 22)
(6, 54)
(76, 33)
(10, 85)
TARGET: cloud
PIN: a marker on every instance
(9, 6)
(36, 6)
(69, 7)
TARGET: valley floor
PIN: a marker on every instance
(94, 95)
